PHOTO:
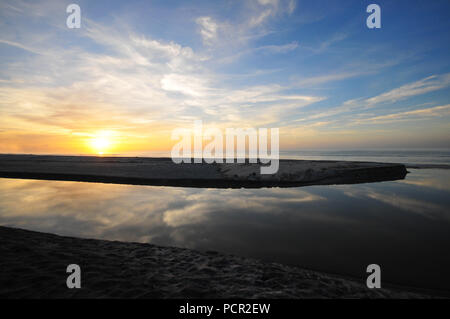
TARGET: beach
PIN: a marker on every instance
(34, 266)
(34, 263)
(164, 172)
(230, 150)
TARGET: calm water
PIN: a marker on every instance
(404, 226)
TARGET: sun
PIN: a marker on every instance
(101, 143)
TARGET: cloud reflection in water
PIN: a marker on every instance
(401, 225)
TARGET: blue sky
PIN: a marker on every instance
(139, 69)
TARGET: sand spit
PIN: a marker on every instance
(162, 171)
(33, 265)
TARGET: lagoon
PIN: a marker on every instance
(404, 226)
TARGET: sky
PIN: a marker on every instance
(136, 70)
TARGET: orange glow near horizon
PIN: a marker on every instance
(105, 140)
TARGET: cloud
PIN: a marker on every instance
(268, 9)
(18, 45)
(252, 25)
(265, 49)
(188, 85)
(321, 79)
(325, 44)
(208, 29)
(354, 69)
(279, 48)
(355, 106)
(429, 84)
(130, 83)
(109, 75)
(437, 111)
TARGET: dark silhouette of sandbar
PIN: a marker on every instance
(164, 172)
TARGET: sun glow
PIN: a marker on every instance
(101, 143)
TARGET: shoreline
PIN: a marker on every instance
(163, 172)
(34, 266)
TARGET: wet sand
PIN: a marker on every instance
(163, 172)
(33, 265)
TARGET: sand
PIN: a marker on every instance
(33, 265)
(162, 171)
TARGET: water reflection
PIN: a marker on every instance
(403, 226)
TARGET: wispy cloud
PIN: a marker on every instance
(138, 83)
(271, 8)
(208, 29)
(358, 105)
(429, 84)
(324, 45)
(225, 33)
(18, 45)
(321, 79)
(436, 111)
(239, 64)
